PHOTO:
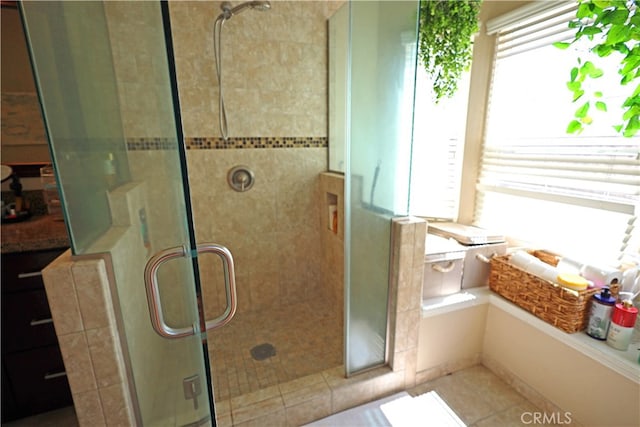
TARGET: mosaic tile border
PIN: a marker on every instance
(200, 143)
(148, 144)
(207, 143)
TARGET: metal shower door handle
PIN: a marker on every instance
(229, 284)
(153, 293)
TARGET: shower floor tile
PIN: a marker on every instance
(307, 340)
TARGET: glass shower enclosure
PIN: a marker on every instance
(105, 80)
(381, 83)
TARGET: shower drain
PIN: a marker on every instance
(263, 351)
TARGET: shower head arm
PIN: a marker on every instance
(228, 10)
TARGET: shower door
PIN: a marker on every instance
(106, 84)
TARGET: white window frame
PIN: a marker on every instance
(479, 100)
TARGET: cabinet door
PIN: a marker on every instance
(38, 380)
(21, 271)
(26, 321)
(8, 410)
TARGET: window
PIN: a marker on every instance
(577, 195)
(438, 139)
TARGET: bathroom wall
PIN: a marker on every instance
(450, 341)
(332, 191)
(86, 327)
(562, 379)
(408, 235)
(274, 68)
(272, 230)
(275, 87)
(23, 138)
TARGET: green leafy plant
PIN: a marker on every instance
(614, 28)
(445, 41)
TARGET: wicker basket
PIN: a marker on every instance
(566, 309)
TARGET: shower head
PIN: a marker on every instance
(228, 11)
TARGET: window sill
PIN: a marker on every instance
(624, 363)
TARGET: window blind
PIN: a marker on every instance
(578, 195)
(543, 28)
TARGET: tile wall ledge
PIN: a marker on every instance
(624, 363)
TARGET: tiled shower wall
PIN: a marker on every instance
(272, 230)
(274, 72)
(274, 69)
(275, 86)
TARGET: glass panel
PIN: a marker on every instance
(338, 59)
(82, 111)
(103, 75)
(438, 145)
(381, 81)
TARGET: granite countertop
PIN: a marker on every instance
(37, 233)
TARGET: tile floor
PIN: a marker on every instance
(302, 381)
(307, 340)
(482, 399)
(64, 417)
(475, 394)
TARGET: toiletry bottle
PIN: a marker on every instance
(110, 171)
(16, 186)
(334, 221)
(623, 320)
(602, 305)
(333, 218)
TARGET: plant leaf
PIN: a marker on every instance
(591, 30)
(583, 110)
(601, 106)
(632, 112)
(602, 4)
(577, 94)
(596, 72)
(619, 16)
(603, 50)
(574, 127)
(617, 34)
(632, 127)
(584, 11)
(574, 74)
(574, 86)
(630, 64)
(615, 16)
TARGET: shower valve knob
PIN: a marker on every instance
(241, 178)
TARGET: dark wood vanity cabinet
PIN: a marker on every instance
(33, 378)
